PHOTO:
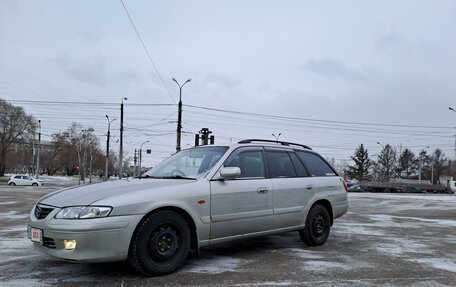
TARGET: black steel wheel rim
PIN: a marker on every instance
(164, 243)
(319, 225)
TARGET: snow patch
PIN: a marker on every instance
(384, 217)
(322, 265)
(425, 197)
(13, 215)
(18, 228)
(215, 265)
(438, 263)
(357, 229)
(8, 202)
(401, 246)
(304, 254)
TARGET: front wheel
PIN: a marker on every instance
(34, 184)
(160, 244)
(11, 184)
(317, 227)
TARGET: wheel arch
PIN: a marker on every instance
(326, 204)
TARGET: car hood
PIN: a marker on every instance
(88, 194)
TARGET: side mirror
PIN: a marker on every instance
(230, 172)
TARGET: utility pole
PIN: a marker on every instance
(140, 157)
(179, 114)
(451, 109)
(121, 137)
(38, 151)
(135, 160)
(107, 147)
(90, 165)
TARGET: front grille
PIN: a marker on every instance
(48, 242)
(42, 211)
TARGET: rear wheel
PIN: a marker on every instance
(317, 227)
(160, 244)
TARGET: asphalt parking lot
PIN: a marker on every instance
(384, 240)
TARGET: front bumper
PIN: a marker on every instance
(97, 240)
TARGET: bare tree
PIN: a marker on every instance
(15, 127)
(438, 166)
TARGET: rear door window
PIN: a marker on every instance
(280, 164)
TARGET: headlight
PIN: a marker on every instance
(83, 212)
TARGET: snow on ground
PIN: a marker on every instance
(426, 197)
(215, 265)
(374, 236)
(12, 215)
(8, 203)
(439, 263)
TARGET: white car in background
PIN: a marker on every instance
(24, 180)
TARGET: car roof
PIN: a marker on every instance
(274, 143)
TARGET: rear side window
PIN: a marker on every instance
(315, 164)
(280, 164)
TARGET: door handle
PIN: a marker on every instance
(309, 186)
(262, 190)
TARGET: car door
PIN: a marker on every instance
(244, 204)
(293, 187)
(27, 180)
(22, 180)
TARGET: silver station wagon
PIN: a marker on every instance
(198, 197)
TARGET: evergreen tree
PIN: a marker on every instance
(361, 169)
(386, 163)
(407, 164)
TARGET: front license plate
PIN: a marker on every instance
(36, 235)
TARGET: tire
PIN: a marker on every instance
(12, 184)
(160, 244)
(317, 227)
(34, 184)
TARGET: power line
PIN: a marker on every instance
(312, 120)
(145, 49)
(87, 103)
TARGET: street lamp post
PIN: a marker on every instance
(121, 137)
(140, 156)
(38, 151)
(277, 136)
(451, 109)
(179, 114)
(107, 146)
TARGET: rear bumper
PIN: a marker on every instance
(340, 208)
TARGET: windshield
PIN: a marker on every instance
(190, 163)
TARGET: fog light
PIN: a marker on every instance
(69, 244)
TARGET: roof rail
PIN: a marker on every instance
(273, 141)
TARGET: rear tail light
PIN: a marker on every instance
(345, 184)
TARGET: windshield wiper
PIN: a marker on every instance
(167, 177)
(177, 177)
(147, 176)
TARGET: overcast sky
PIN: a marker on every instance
(332, 68)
